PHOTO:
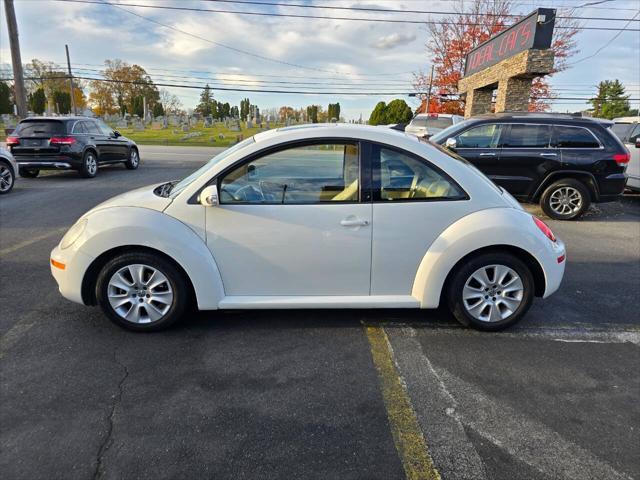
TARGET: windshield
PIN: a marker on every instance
(184, 183)
(440, 137)
(432, 122)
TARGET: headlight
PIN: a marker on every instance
(73, 234)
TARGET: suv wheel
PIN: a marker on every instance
(28, 172)
(141, 292)
(491, 292)
(565, 199)
(134, 160)
(89, 167)
(7, 178)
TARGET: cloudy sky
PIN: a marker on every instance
(228, 49)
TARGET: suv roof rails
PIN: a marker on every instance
(564, 116)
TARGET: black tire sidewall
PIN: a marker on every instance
(130, 164)
(464, 272)
(176, 280)
(567, 182)
(13, 177)
(84, 173)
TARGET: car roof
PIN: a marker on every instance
(626, 119)
(540, 117)
(57, 119)
(434, 115)
(340, 130)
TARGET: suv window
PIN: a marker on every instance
(106, 129)
(527, 136)
(92, 127)
(482, 136)
(324, 172)
(574, 137)
(433, 122)
(79, 128)
(398, 176)
(31, 128)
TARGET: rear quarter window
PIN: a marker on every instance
(574, 137)
(40, 128)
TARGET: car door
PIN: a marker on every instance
(526, 158)
(409, 212)
(481, 146)
(290, 222)
(100, 140)
(118, 148)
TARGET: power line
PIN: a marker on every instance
(291, 15)
(391, 10)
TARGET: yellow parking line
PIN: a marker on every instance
(26, 243)
(406, 432)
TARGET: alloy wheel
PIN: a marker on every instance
(6, 179)
(134, 158)
(493, 293)
(565, 201)
(140, 294)
(91, 164)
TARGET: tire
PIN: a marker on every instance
(138, 311)
(566, 199)
(28, 172)
(134, 159)
(7, 178)
(89, 167)
(495, 309)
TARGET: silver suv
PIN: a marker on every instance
(8, 171)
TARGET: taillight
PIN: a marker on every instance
(544, 228)
(622, 158)
(62, 141)
(12, 141)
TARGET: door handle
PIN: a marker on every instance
(548, 154)
(487, 154)
(354, 222)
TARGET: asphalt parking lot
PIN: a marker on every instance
(314, 394)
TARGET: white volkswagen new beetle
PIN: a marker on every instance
(324, 216)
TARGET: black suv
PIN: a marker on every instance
(563, 162)
(69, 143)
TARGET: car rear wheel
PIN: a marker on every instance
(7, 178)
(29, 172)
(565, 199)
(142, 292)
(134, 160)
(491, 292)
(89, 167)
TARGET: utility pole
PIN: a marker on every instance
(18, 77)
(429, 92)
(73, 99)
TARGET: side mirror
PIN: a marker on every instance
(450, 143)
(637, 142)
(116, 133)
(209, 196)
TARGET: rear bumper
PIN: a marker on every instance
(58, 162)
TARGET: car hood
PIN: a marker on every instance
(140, 197)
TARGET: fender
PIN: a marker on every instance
(114, 227)
(484, 228)
(551, 177)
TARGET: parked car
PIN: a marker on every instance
(628, 131)
(329, 216)
(565, 163)
(424, 125)
(8, 171)
(69, 143)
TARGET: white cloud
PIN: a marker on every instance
(393, 40)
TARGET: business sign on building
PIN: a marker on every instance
(535, 31)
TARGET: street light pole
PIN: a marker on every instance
(16, 60)
(73, 99)
(429, 92)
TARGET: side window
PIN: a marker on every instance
(326, 172)
(482, 136)
(398, 176)
(92, 127)
(528, 136)
(79, 129)
(574, 137)
(105, 129)
(635, 134)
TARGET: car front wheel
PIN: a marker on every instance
(134, 160)
(89, 166)
(565, 199)
(491, 292)
(142, 292)
(7, 178)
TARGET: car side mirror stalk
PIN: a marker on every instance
(451, 143)
(209, 196)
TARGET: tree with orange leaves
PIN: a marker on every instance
(474, 23)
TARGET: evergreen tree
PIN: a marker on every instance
(312, 113)
(611, 101)
(158, 110)
(63, 101)
(379, 114)
(5, 98)
(204, 107)
(137, 106)
(38, 101)
(398, 111)
(333, 112)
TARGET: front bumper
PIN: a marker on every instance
(68, 268)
